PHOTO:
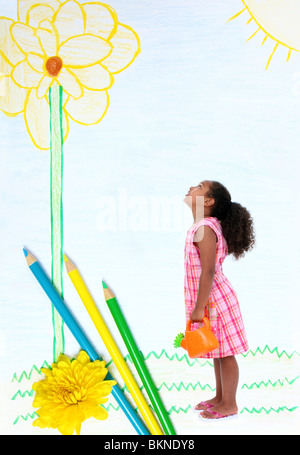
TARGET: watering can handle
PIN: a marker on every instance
(206, 323)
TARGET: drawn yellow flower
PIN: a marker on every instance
(278, 20)
(57, 62)
(72, 392)
(79, 46)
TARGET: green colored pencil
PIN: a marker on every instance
(138, 360)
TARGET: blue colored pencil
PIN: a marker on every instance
(81, 338)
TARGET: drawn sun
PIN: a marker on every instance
(278, 19)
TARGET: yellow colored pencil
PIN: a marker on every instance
(112, 348)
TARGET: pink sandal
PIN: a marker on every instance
(219, 416)
(203, 403)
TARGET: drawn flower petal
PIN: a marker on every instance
(94, 77)
(3, 85)
(37, 119)
(101, 20)
(66, 125)
(13, 101)
(36, 62)
(24, 6)
(70, 84)
(48, 38)
(24, 76)
(5, 67)
(83, 50)
(126, 46)
(89, 109)
(8, 47)
(24, 36)
(69, 20)
(37, 13)
(44, 85)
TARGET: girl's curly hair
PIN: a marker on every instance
(236, 221)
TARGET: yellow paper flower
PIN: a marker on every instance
(71, 393)
(79, 45)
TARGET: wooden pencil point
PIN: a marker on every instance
(108, 294)
(30, 259)
(69, 264)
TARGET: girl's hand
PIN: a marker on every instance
(197, 315)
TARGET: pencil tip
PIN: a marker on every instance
(25, 252)
(104, 285)
(66, 258)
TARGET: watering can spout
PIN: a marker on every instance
(198, 342)
(183, 344)
(180, 341)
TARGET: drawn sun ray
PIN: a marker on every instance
(277, 19)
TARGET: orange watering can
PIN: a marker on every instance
(197, 342)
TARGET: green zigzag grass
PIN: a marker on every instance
(190, 362)
(27, 376)
(171, 358)
(197, 385)
(26, 393)
(178, 410)
(189, 407)
(35, 369)
(269, 410)
(271, 351)
(26, 417)
(270, 383)
(181, 385)
(203, 363)
(248, 353)
(188, 386)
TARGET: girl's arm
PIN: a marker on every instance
(206, 243)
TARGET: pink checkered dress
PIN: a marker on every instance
(222, 308)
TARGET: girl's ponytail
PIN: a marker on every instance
(236, 221)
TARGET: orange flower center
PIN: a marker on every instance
(54, 65)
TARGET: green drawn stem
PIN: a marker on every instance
(56, 177)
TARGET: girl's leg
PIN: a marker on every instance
(229, 372)
(230, 379)
(217, 366)
(218, 398)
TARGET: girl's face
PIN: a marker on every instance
(198, 190)
(201, 204)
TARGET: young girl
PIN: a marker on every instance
(220, 227)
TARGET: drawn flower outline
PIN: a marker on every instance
(81, 46)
